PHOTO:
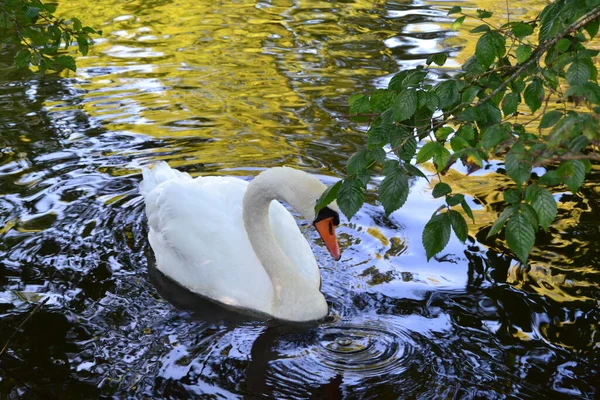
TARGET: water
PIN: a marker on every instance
(231, 89)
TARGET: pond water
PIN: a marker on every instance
(232, 88)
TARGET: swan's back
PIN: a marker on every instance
(199, 240)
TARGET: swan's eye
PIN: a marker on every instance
(328, 213)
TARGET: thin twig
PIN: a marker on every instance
(544, 47)
(36, 309)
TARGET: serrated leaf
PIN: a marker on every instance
(501, 221)
(439, 59)
(458, 143)
(405, 105)
(492, 136)
(521, 29)
(359, 104)
(459, 225)
(578, 72)
(442, 133)
(328, 196)
(428, 150)
(550, 118)
(23, 58)
(447, 92)
(512, 196)
(441, 158)
(66, 62)
(485, 50)
(592, 28)
(405, 147)
(436, 234)
(545, 207)
(393, 190)
(563, 44)
(534, 93)
(465, 206)
(455, 199)
(414, 171)
(441, 189)
(480, 29)
(358, 161)
(572, 173)
(523, 52)
(520, 236)
(550, 178)
(516, 166)
(350, 197)
(382, 99)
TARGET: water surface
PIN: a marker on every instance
(232, 88)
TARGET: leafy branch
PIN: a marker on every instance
(32, 25)
(477, 114)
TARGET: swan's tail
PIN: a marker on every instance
(157, 174)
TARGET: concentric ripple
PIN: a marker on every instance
(363, 349)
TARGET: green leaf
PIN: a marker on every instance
(512, 196)
(83, 43)
(572, 173)
(520, 236)
(405, 105)
(66, 62)
(578, 73)
(485, 50)
(428, 150)
(550, 178)
(492, 136)
(521, 29)
(534, 94)
(358, 161)
(516, 166)
(350, 197)
(480, 29)
(459, 225)
(393, 190)
(382, 99)
(405, 147)
(499, 224)
(550, 22)
(443, 133)
(414, 171)
(523, 52)
(439, 59)
(455, 199)
(448, 93)
(328, 196)
(441, 157)
(441, 189)
(592, 28)
(23, 58)
(465, 206)
(359, 104)
(436, 234)
(454, 10)
(458, 23)
(550, 118)
(76, 24)
(431, 101)
(545, 207)
(563, 45)
(470, 93)
(458, 143)
(482, 14)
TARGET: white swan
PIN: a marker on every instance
(229, 241)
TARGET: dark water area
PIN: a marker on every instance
(232, 89)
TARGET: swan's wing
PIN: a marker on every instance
(198, 237)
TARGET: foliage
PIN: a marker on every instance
(475, 114)
(32, 25)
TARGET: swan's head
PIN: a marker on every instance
(302, 190)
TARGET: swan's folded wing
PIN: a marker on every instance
(198, 237)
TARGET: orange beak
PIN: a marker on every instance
(326, 229)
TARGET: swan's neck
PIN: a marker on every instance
(294, 297)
